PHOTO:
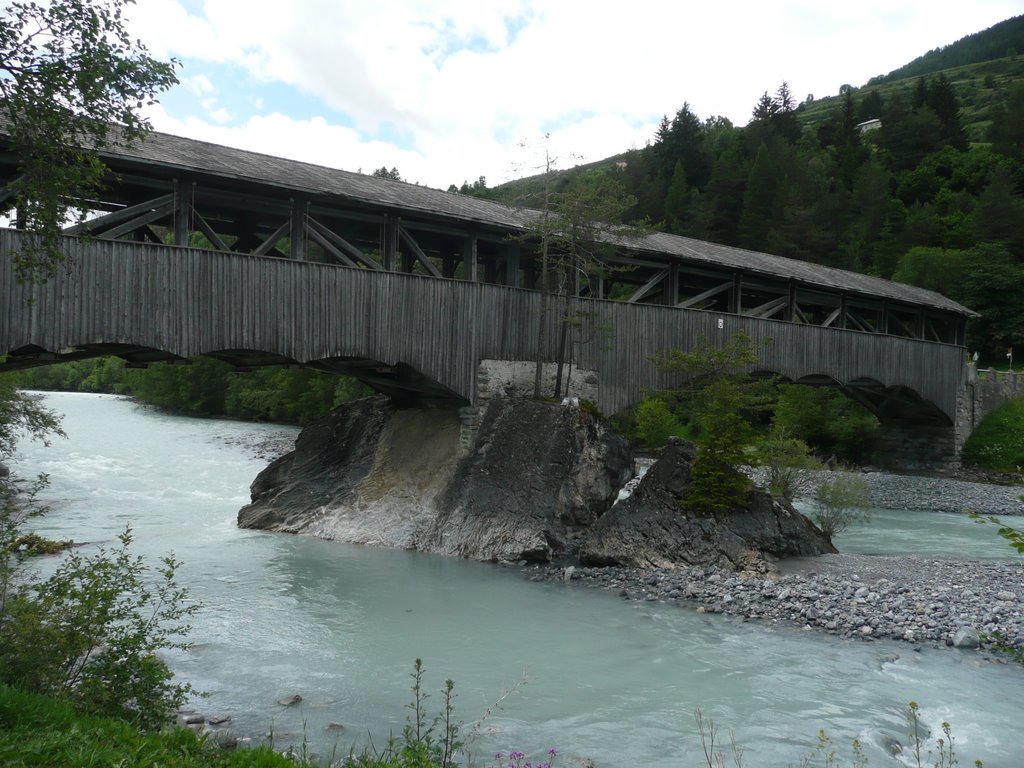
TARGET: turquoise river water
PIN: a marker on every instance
(585, 672)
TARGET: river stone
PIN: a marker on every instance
(225, 739)
(966, 637)
(535, 476)
(653, 527)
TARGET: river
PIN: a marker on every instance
(586, 672)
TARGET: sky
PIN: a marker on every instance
(447, 91)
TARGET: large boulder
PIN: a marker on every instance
(535, 477)
(655, 527)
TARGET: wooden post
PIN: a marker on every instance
(469, 256)
(670, 287)
(183, 195)
(736, 294)
(297, 230)
(390, 245)
(512, 265)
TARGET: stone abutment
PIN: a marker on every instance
(917, 447)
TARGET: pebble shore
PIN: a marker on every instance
(919, 600)
(941, 494)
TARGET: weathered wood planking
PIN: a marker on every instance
(189, 302)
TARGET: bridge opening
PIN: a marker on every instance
(399, 381)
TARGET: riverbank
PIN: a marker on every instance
(928, 493)
(935, 493)
(963, 603)
(917, 599)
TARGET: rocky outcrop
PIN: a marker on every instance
(537, 483)
(653, 527)
(536, 476)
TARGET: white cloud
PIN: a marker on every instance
(199, 84)
(455, 83)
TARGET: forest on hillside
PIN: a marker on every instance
(911, 198)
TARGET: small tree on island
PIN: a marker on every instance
(841, 501)
(576, 230)
(788, 462)
(722, 397)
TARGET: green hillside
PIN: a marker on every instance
(999, 41)
(932, 196)
(982, 68)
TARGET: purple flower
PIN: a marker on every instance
(499, 755)
(552, 751)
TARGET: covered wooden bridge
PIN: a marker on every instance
(204, 249)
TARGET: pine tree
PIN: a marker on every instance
(760, 201)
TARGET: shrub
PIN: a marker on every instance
(723, 401)
(91, 632)
(998, 442)
(841, 500)
(655, 423)
(789, 464)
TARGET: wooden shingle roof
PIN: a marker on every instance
(166, 154)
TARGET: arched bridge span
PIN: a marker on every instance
(422, 333)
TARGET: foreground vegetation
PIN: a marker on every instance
(41, 731)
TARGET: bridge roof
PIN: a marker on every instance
(165, 156)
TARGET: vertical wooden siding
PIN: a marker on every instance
(189, 302)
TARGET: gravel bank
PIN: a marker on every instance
(940, 494)
(917, 600)
(935, 494)
(920, 600)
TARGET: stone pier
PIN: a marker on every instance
(916, 447)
